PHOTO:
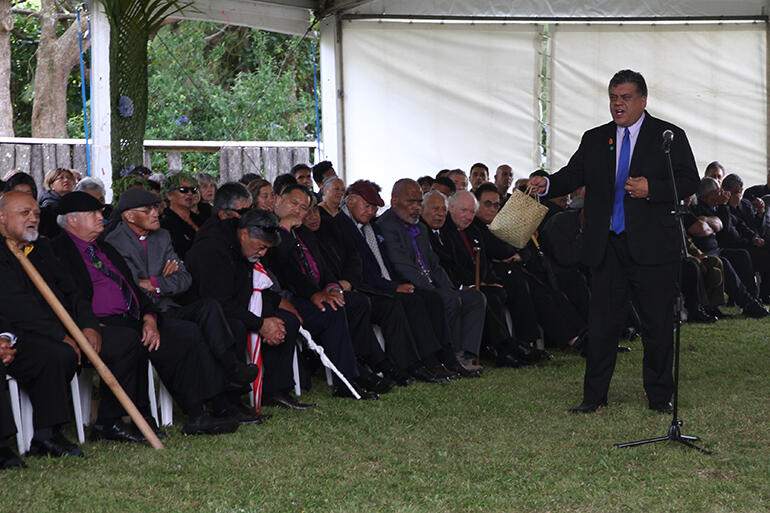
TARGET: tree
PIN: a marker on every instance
(6, 106)
(56, 56)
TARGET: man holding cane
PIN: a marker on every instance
(631, 240)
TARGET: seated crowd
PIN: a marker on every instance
(212, 285)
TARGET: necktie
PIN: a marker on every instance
(371, 241)
(125, 291)
(618, 214)
(414, 230)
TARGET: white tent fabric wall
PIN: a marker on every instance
(708, 79)
(419, 98)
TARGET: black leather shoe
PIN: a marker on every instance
(624, 349)
(243, 415)
(374, 383)
(719, 314)
(9, 459)
(462, 371)
(285, 400)
(755, 310)
(117, 432)
(55, 447)
(243, 373)
(666, 407)
(587, 407)
(155, 429)
(508, 360)
(441, 371)
(208, 425)
(343, 391)
(422, 373)
(700, 315)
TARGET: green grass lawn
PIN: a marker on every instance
(504, 442)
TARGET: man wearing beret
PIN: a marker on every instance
(162, 277)
(129, 328)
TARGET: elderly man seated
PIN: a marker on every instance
(130, 329)
(223, 262)
(34, 345)
(408, 247)
(162, 277)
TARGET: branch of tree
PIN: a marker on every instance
(36, 14)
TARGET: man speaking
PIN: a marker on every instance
(631, 241)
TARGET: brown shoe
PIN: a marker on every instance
(468, 362)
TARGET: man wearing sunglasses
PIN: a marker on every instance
(179, 219)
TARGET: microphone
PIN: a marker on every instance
(668, 136)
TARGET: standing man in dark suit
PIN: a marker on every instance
(631, 240)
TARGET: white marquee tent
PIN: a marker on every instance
(410, 87)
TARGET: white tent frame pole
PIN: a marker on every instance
(101, 166)
(332, 94)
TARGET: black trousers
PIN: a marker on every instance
(519, 301)
(743, 266)
(427, 320)
(277, 372)
(44, 367)
(7, 426)
(496, 334)
(691, 285)
(121, 351)
(207, 313)
(652, 290)
(358, 309)
(400, 343)
(734, 286)
(330, 330)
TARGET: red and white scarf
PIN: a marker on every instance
(260, 282)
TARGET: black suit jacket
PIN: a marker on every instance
(24, 310)
(73, 264)
(650, 228)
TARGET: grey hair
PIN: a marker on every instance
(706, 186)
(228, 194)
(90, 183)
(331, 179)
(456, 196)
(434, 192)
(732, 181)
(205, 178)
(62, 220)
(262, 225)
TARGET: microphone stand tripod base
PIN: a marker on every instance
(674, 434)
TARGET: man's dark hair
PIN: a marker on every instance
(714, 165)
(21, 179)
(486, 187)
(152, 185)
(539, 172)
(283, 181)
(425, 180)
(299, 167)
(481, 165)
(141, 171)
(295, 187)
(629, 76)
(732, 181)
(319, 170)
(443, 180)
(245, 179)
(228, 194)
(441, 173)
(262, 225)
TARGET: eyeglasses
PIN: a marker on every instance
(240, 211)
(186, 190)
(148, 209)
(495, 204)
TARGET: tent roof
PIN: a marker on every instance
(295, 16)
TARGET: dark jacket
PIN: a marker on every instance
(49, 198)
(73, 264)
(24, 309)
(220, 271)
(650, 227)
(182, 234)
(454, 256)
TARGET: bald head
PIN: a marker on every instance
(19, 217)
(406, 200)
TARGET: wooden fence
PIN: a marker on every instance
(236, 158)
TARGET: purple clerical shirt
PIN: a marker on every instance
(107, 300)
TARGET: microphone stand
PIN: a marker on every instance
(674, 431)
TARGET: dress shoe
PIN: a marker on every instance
(243, 415)
(700, 315)
(286, 400)
(155, 429)
(55, 447)
(117, 432)
(8, 459)
(374, 383)
(666, 407)
(442, 371)
(587, 407)
(624, 349)
(207, 425)
(343, 391)
(243, 373)
(468, 363)
(462, 371)
(422, 373)
(508, 360)
(755, 310)
(719, 314)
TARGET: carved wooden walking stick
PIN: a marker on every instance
(104, 372)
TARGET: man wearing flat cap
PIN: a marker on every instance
(129, 327)
(162, 278)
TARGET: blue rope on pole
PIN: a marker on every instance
(83, 94)
(317, 116)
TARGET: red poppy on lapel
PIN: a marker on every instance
(611, 144)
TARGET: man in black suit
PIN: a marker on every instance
(129, 326)
(631, 241)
